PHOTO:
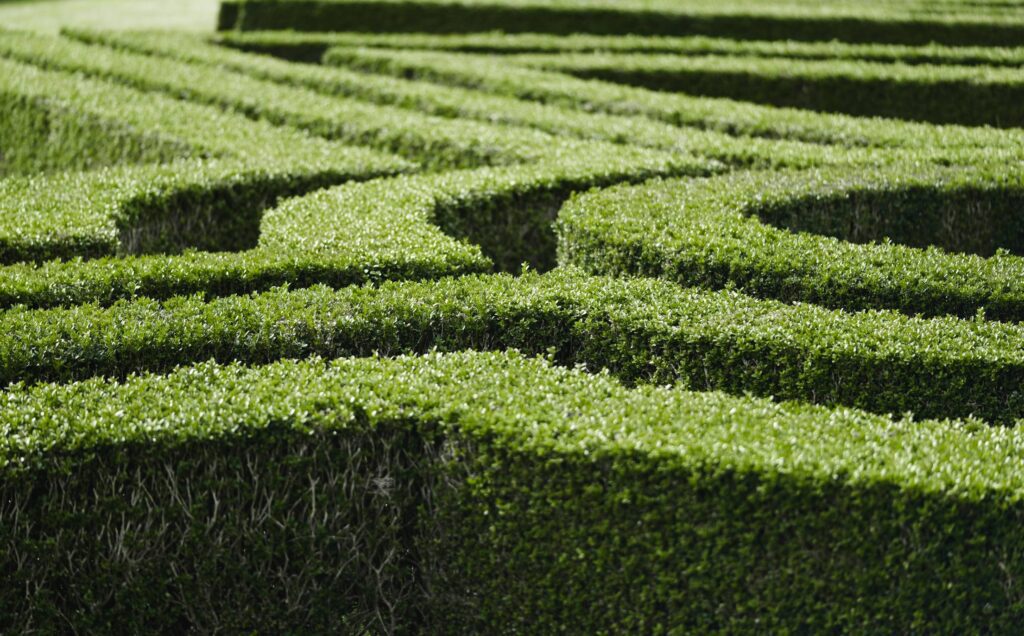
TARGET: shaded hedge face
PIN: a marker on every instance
(454, 332)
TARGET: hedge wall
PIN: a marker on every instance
(488, 492)
(769, 21)
(933, 242)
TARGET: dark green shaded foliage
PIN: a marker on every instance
(485, 492)
(604, 18)
(497, 76)
(310, 46)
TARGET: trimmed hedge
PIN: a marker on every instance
(642, 329)
(496, 75)
(352, 234)
(210, 201)
(486, 492)
(744, 20)
(472, 492)
(311, 46)
(913, 239)
(969, 95)
(461, 103)
(38, 133)
(434, 142)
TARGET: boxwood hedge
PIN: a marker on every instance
(402, 228)
(188, 443)
(642, 329)
(310, 46)
(922, 241)
(228, 170)
(911, 23)
(489, 492)
(435, 142)
(496, 75)
(944, 94)
(463, 103)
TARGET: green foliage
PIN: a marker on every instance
(228, 170)
(972, 95)
(431, 141)
(310, 46)
(351, 234)
(642, 329)
(408, 490)
(496, 75)
(904, 22)
(266, 327)
(463, 103)
(914, 239)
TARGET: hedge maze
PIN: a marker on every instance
(363, 317)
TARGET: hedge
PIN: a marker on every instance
(969, 95)
(311, 46)
(229, 171)
(462, 103)
(478, 492)
(352, 234)
(434, 142)
(922, 241)
(643, 330)
(496, 75)
(765, 21)
(40, 134)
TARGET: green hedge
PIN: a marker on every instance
(914, 239)
(310, 46)
(487, 492)
(38, 134)
(354, 233)
(765, 21)
(496, 75)
(435, 142)
(231, 169)
(969, 95)
(462, 103)
(641, 329)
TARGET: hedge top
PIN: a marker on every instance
(532, 407)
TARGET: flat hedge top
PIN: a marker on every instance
(789, 235)
(531, 405)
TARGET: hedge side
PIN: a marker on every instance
(743, 21)
(641, 329)
(210, 201)
(932, 242)
(968, 95)
(310, 46)
(402, 228)
(434, 142)
(38, 135)
(479, 492)
(463, 103)
(497, 76)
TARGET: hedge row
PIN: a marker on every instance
(641, 329)
(310, 46)
(912, 239)
(969, 95)
(478, 492)
(209, 201)
(953, 24)
(39, 133)
(463, 103)
(434, 142)
(355, 233)
(496, 75)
